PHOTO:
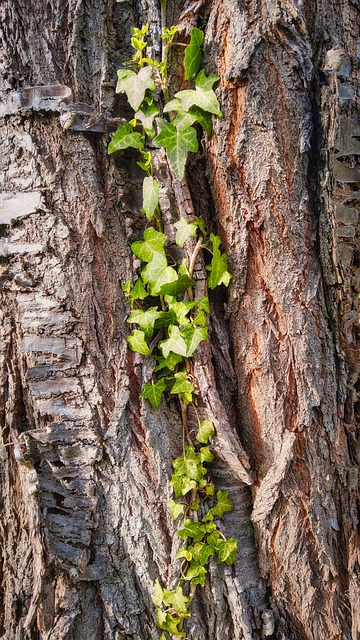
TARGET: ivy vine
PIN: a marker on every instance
(169, 318)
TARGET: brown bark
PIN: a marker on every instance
(85, 462)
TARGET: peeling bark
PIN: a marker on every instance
(85, 461)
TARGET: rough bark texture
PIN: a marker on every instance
(84, 461)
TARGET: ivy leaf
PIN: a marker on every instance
(185, 230)
(193, 530)
(206, 100)
(136, 342)
(177, 599)
(203, 304)
(146, 116)
(177, 286)
(183, 120)
(173, 105)
(202, 117)
(182, 385)
(150, 196)
(200, 318)
(196, 574)
(157, 273)
(180, 310)
(226, 551)
(169, 363)
(193, 336)
(184, 553)
(157, 596)
(153, 392)
(152, 244)
(205, 432)
(206, 82)
(213, 538)
(218, 268)
(175, 509)
(145, 319)
(175, 343)
(223, 505)
(125, 137)
(193, 53)
(147, 161)
(202, 552)
(206, 455)
(169, 623)
(135, 85)
(177, 144)
(182, 485)
(210, 489)
(138, 292)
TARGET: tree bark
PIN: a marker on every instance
(85, 462)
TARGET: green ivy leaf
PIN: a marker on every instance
(169, 363)
(175, 343)
(181, 310)
(206, 82)
(223, 505)
(201, 553)
(136, 342)
(153, 392)
(178, 286)
(206, 455)
(184, 553)
(157, 273)
(182, 386)
(175, 509)
(218, 268)
(169, 623)
(150, 196)
(157, 596)
(138, 292)
(177, 144)
(145, 319)
(196, 574)
(147, 161)
(202, 117)
(193, 530)
(226, 551)
(193, 53)
(210, 489)
(206, 100)
(135, 85)
(213, 538)
(205, 432)
(125, 137)
(177, 599)
(183, 120)
(146, 116)
(185, 230)
(152, 244)
(193, 336)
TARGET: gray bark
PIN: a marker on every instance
(85, 462)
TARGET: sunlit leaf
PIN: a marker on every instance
(135, 85)
(136, 342)
(177, 144)
(153, 243)
(205, 432)
(125, 137)
(150, 196)
(153, 392)
(185, 230)
(176, 509)
(193, 53)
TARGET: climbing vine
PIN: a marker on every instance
(170, 318)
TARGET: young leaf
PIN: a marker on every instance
(138, 292)
(177, 144)
(157, 273)
(136, 342)
(153, 392)
(193, 530)
(150, 196)
(147, 161)
(193, 336)
(175, 343)
(177, 286)
(206, 82)
(202, 552)
(169, 623)
(152, 244)
(125, 137)
(146, 116)
(169, 363)
(135, 85)
(206, 455)
(175, 509)
(203, 304)
(205, 432)
(182, 384)
(157, 596)
(223, 505)
(145, 319)
(177, 599)
(165, 319)
(206, 100)
(185, 230)
(218, 268)
(196, 573)
(181, 310)
(227, 551)
(184, 553)
(193, 53)
(202, 117)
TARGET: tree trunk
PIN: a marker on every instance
(85, 462)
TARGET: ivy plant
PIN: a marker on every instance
(172, 326)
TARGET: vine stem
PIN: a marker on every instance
(194, 255)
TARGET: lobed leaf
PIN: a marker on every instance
(218, 268)
(125, 137)
(176, 509)
(150, 196)
(177, 144)
(175, 343)
(157, 273)
(206, 100)
(193, 53)
(136, 342)
(193, 336)
(152, 244)
(135, 85)
(145, 319)
(153, 392)
(185, 230)
(177, 286)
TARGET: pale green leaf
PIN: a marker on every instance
(182, 384)
(157, 596)
(183, 120)
(136, 342)
(145, 319)
(206, 100)
(153, 392)
(169, 623)
(177, 599)
(135, 85)
(223, 505)
(206, 82)
(184, 553)
(193, 53)
(152, 244)
(177, 144)
(205, 432)
(181, 310)
(172, 105)
(175, 343)
(125, 137)
(185, 230)
(169, 363)
(177, 287)
(150, 196)
(176, 509)
(157, 273)
(193, 336)
(226, 550)
(138, 292)
(206, 455)
(146, 116)
(193, 530)
(218, 268)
